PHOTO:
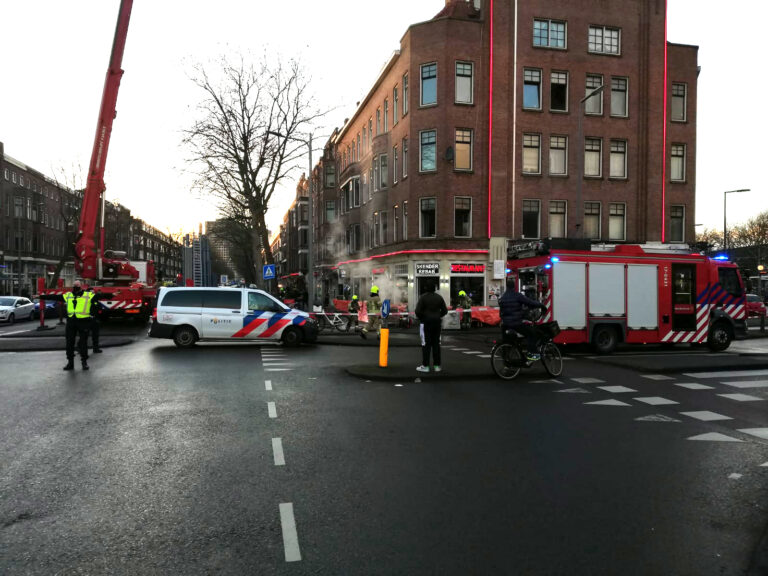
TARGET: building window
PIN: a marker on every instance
(394, 105)
(7, 174)
(405, 94)
(616, 222)
(558, 92)
(428, 221)
(386, 116)
(365, 140)
(357, 155)
(677, 224)
(463, 150)
(376, 229)
(593, 157)
(531, 218)
(427, 159)
(395, 223)
(604, 40)
(330, 175)
(531, 89)
(595, 104)
(405, 220)
(375, 173)
(405, 157)
(370, 133)
(677, 168)
(384, 164)
(464, 83)
(378, 121)
(679, 108)
(13, 177)
(558, 155)
(394, 164)
(429, 84)
(618, 158)
(557, 219)
(462, 217)
(531, 154)
(355, 193)
(370, 182)
(619, 97)
(549, 33)
(592, 220)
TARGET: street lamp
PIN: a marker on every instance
(310, 230)
(579, 206)
(725, 227)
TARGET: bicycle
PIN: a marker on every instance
(508, 356)
(337, 320)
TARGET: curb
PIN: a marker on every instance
(398, 374)
(58, 346)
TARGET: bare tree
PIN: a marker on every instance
(70, 189)
(249, 137)
(752, 238)
(712, 239)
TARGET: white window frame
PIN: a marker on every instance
(531, 72)
(599, 220)
(405, 94)
(564, 214)
(682, 226)
(601, 49)
(611, 216)
(455, 198)
(625, 80)
(395, 98)
(421, 84)
(599, 156)
(567, 91)
(675, 148)
(421, 231)
(394, 165)
(684, 101)
(592, 82)
(383, 171)
(623, 153)
(456, 143)
(386, 115)
(549, 44)
(405, 220)
(565, 155)
(457, 65)
(527, 140)
(405, 158)
(523, 211)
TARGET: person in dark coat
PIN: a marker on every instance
(513, 316)
(430, 310)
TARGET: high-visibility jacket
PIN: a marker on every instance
(78, 306)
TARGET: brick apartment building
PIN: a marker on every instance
(463, 144)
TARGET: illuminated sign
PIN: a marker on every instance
(467, 268)
(427, 269)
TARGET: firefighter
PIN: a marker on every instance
(465, 305)
(374, 313)
(354, 309)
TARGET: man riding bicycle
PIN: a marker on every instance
(513, 317)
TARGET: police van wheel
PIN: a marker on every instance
(184, 337)
(291, 337)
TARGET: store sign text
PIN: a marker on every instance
(467, 268)
(428, 269)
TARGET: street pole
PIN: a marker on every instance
(725, 221)
(580, 178)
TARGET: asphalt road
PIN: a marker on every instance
(236, 459)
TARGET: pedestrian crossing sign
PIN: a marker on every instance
(269, 272)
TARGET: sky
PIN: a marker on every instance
(55, 57)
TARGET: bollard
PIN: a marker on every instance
(384, 347)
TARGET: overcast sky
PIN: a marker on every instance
(55, 54)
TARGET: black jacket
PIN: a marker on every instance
(511, 307)
(431, 306)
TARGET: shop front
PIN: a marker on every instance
(469, 277)
(427, 276)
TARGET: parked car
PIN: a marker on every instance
(50, 309)
(755, 306)
(14, 308)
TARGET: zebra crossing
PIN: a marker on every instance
(274, 359)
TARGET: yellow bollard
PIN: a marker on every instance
(384, 347)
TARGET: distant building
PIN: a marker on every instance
(197, 261)
(223, 259)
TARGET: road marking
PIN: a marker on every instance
(759, 432)
(657, 377)
(734, 373)
(694, 386)
(575, 391)
(734, 476)
(747, 384)
(484, 356)
(616, 389)
(706, 415)
(655, 400)
(279, 369)
(290, 536)
(549, 381)
(14, 332)
(657, 418)
(472, 352)
(588, 380)
(460, 349)
(277, 449)
(608, 403)
(715, 437)
(268, 384)
(398, 385)
(741, 397)
(271, 363)
(764, 465)
(271, 409)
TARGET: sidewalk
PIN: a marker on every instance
(34, 340)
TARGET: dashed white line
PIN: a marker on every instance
(290, 536)
(742, 397)
(608, 403)
(657, 377)
(706, 415)
(279, 369)
(268, 384)
(271, 410)
(616, 389)
(588, 380)
(731, 374)
(14, 332)
(747, 384)
(656, 400)
(472, 352)
(277, 449)
(484, 356)
(695, 386)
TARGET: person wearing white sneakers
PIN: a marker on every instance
(430, 311)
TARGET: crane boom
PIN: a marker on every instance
(87, 263)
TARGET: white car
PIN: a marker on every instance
(14, 308)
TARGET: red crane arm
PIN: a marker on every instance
(86, 261)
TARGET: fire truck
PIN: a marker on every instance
(643, 294)
(109, 270)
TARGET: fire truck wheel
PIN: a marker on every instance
(185, 337)
(291, 337)
(604, 339)
(719, 337)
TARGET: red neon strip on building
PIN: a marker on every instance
(664, 138)
(430, 251)
(490, 122)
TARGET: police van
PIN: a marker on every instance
(188, 314)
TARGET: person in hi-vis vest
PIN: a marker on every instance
(77, 305)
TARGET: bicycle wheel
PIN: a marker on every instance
(506, 361)
(322, 323)
(552, 359)
(341, 323)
